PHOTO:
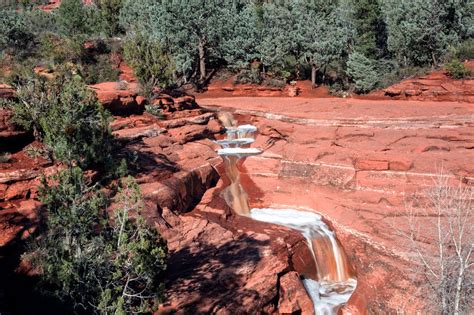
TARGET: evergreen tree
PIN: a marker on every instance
(362, 71)
(371, 34)
(279, 34)
(420, 31)
(72, 18)
(325, 32)
(241, 36)
(190, 30)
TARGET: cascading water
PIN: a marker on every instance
(335, 282)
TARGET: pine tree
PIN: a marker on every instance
(371, 33)
(362, 71)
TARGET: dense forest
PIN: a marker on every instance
(354, 45)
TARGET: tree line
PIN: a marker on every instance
(369, 43)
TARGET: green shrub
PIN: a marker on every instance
(109, 12)
(98, 264)
(248, 77)
(55, 50)
(100, 69)
(74, 18)
(457, 70)
(66, 116)
(16, 37)
(151, 64)
(155, 110)
(465, 51)
(363, 72)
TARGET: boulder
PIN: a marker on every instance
(293, 296)
(120, 98)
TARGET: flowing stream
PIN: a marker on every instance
(335, 281)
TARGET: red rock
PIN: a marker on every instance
(6, 91)
(3, 189)
(11, 136)
(30, 209)
(412, 92)
(117, 99)
(293, 297)
(17, 190)
(374, 165)
(141, 101)
(400, 165)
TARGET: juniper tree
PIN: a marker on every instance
(189, 29)
(420, 31)
(241, 36)
(325, 31)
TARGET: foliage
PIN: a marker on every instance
(56, 50)
(100, 69)
(76, 19)
(252, 76)
(99, 264)
(72, 19)
(457, 70)
(371, 34)
(154, 110)
(109, 13)
(66, 116)
(151, 65)
(465, 50)
(363, 72)
(15, 34)
(420, 31)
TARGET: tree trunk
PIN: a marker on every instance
(314, 71)
(202, 61)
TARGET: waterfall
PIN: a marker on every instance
(232, 151)
(335, 282)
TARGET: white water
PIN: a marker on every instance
(232, 151)
(239, 152)
(335, 285)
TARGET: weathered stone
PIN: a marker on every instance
(293, 297)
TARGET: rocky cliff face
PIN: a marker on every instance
(218, 263)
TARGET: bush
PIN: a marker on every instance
(99, 264)
(155, 110)
(363, 72)
(101, 69)
(16, 38)
(252, 76)
(465, 51)
(109, 12)
(56, 50)
(66, 116)
(151, 64)
(457, 70)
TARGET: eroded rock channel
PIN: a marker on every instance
(331, 283)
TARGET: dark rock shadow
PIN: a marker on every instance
(214, 277)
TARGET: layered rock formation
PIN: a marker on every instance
(435, 86)
(218, 263)
(358, 163)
